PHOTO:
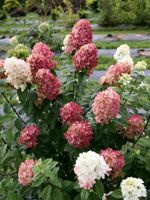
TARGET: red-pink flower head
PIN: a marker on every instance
(48, 84)
(41, 48)
(41, 58)
(38, 61)
(25, 173)
(115, 72)
(70, 113)
(114, 159)
(135, 126)
(86, 58)
(80, 35)
(79, 134)
(106, 106)
(28, 136)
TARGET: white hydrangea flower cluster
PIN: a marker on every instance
(18, 72)
(125, 79)
(122, 54)
(44, 27)
(133, 188)
(90, 167)
(65, 42)
(140, 66)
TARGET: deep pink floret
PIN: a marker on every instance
(135, 126)
(70, 113)
(79, 134)
(80, 35)
(114, 159)
(86, 58)
(48, 84)
(106, 106)
(28, 136)
(41, 48)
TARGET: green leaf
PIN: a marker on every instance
(145, 142)
(121, 122)
(99, 189)
(57, 194)
(84, 194)
(46, 193)
(117, 194)
(28, 106)
(37, 181)
(22, 95)
(18, 124)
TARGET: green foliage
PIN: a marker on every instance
(10, 5)
(34, 35)
(124, 12)
(31, 4)
(109, 12)
(3, 15)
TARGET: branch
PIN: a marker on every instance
(142, 132)
(13, 109)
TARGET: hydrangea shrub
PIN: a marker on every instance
(64, 137)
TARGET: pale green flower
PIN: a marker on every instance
(44, 27)
(125, 79)
(13, 41)
(140, 66)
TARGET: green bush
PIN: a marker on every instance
(3, 15)
(109, 12)
(114, 12)
(32, 5)
(10, 5)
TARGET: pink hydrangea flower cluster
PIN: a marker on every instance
(80, 35)
(48, 84)
(79, 134)
(25, 173)
(41, 57)
(106, 106)
(114, 159)
(115, 72)
(41, 48)
(70, 113)
(28, 136)
(135, 126)
(86, 58)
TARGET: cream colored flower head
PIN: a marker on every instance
(18, 72)
(65, 42)
(133, 188)
(121, 52)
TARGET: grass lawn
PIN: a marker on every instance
(115, 44)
